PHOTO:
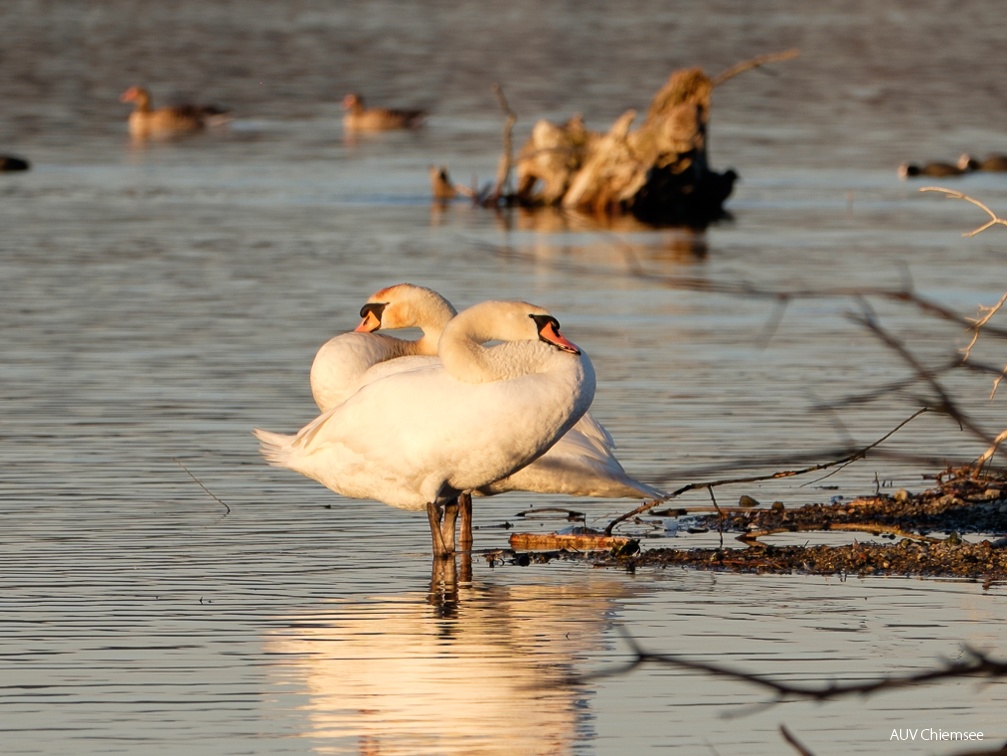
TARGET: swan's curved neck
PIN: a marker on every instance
(427, 343)
(439, 314)
(461, 346)
(467, 359)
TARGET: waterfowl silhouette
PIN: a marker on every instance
(359, 117)
(992, 163)
(147, 121)
(11, 163)
(934, 170)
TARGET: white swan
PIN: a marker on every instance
(581, 463)
(418, 438)
(341, 363)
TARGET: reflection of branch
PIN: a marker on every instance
(975, 664)
(945, 404)
(781, 298)
(858, 454)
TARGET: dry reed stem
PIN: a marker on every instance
(756, 62)
(851, 527)
(507, 158)
(986, 313)
(709, 485)
(994, 220)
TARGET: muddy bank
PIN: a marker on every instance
(954, 529)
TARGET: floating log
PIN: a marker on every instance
(569, 541)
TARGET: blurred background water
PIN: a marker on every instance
(161, 299)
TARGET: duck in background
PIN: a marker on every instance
(992, 163)
(443, 189)
(934, 170)
(148, 121)
(10, 163)
(359, 117)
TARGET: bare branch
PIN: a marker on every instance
(227, 509)
(994, 220)
(507, 158)
(945, 404)
(858, 454)
(757, 62)
(988, 454)
(797, 744)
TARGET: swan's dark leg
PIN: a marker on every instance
(465, 527)
(448, 525)
(434, 516)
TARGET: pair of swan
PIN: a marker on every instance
(581, 463)
(419, 432)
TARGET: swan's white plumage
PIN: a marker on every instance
(581, 463)
(428, 432)
(341, 362)
(340, 365)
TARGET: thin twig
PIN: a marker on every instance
(844, 527)
(507, 158)
(994, 220)
(200, 484)
(797, 744)
(976, 326)
(757, 62)
(857, 454)
(992, 449)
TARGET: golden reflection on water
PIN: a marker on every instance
(479, 670)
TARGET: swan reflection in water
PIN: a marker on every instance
(475, 669)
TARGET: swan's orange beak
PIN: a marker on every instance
(128, 96)
(549, 333)
(369, 323)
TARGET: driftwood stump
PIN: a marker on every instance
(659, 172)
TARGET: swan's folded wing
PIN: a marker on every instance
(595, 433)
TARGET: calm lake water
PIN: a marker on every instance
(161, 300)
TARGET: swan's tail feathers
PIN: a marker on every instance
(276, 448)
